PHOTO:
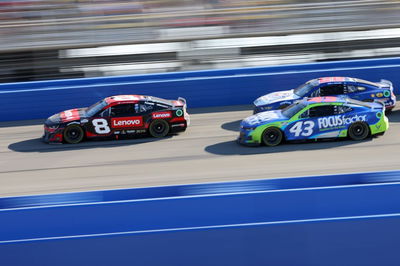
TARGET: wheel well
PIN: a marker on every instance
(275, 127)
(360, 122)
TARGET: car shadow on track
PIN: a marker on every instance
(394, 116)
(232, 126)
(37, 145)
(233, 148)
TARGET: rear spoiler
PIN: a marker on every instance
(180, 99)
(387, 82)
(381, 103)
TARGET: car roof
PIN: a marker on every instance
(335, 79)
(334, 99)
(123, 98)
(327, 99)
(133, 98)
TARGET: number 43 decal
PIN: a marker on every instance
(302, 128)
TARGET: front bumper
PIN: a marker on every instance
(52, 136)
(246, 139)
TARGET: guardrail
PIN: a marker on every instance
(33, 100)
(325, 220)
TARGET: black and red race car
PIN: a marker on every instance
(116, 117)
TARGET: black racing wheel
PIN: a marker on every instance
(272, 136)
(73, 134)
(358, 131)
(159, 128)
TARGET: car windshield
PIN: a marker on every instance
(293, 109)
(95, 108)
(303, 89)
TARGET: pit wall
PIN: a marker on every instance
(38, 100)
(349, 219)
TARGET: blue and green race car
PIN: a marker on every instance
(315, 118)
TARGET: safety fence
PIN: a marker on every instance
(33, 100)
(349, 219)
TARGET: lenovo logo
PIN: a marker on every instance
(162, 115)
(126, 122)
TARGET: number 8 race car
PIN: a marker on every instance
(315, 118)
(122, 115)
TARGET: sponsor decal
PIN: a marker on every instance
(379, 94)
(261, 117)
(386, 93)
(123, 122)
(160, 115)
(331, 79)
(135, 131)
(125, 98)
(373, 95)
(323, 99)
(69, 115)
(339, 120)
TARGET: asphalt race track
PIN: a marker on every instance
(206, 152)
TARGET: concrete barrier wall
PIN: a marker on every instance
(360, 241)
(327, 220)
(32, 100)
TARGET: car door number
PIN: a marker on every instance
(302, 128)
(101, 126)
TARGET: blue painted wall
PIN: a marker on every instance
(367, 241)
(33, 100)
(336, 220)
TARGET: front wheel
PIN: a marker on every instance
(159, 128)
(73, 134)
(272, 136)
(358, 131)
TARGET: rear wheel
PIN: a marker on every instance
(358, 131)
(73, 134)
(159, 128)
(272, 136)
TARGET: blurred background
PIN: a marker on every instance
(41, 40)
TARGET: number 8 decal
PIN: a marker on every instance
(101, 126)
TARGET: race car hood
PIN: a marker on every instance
(276, 97)
(67, 116)
(262, 118)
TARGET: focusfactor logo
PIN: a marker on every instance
(339, 120)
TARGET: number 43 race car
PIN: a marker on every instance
(315, 118)
(117, 116)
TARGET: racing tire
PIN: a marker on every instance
(159, 128)
(272, 136)
(73, 134)
(358, 131)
